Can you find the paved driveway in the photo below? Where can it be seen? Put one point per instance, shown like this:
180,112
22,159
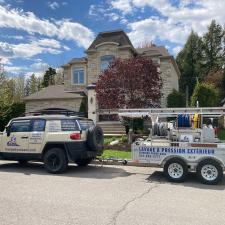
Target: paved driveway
103,196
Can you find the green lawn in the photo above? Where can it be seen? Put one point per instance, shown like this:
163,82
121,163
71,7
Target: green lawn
116,154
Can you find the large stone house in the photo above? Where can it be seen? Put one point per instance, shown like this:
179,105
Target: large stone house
80,74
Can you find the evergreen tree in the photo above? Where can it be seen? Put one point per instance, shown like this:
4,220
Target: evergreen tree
49,77
189,61
213,48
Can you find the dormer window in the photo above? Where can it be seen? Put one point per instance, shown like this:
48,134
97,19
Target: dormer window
105,61
78,76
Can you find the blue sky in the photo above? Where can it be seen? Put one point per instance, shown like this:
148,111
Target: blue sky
36,34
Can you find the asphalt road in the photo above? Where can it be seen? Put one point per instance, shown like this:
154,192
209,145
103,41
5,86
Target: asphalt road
105,195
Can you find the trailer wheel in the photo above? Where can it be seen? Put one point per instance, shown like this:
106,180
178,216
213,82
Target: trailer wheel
176,170
209,171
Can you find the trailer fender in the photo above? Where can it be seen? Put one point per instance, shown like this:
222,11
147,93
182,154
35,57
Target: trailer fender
210,157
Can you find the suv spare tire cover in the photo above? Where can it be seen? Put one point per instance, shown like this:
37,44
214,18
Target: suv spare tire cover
95,138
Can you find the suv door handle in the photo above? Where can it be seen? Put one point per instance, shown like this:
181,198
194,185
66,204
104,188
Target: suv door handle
24,137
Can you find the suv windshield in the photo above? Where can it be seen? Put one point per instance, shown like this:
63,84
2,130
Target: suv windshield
85,124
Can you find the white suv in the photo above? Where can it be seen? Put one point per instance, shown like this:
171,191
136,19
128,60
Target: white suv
55,140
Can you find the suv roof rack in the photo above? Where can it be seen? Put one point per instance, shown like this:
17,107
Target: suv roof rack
56,112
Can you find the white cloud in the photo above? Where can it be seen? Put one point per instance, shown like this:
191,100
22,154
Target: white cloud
49,43
30,49
6,50
15,69
66,47
123,5
175,21
39,66
153,28
75,31
29,22
16,37
38,74
101,12
176,50
53,5
5,61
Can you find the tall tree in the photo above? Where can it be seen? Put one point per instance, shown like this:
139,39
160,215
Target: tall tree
213,48
189,61
33,84
49,77
129,83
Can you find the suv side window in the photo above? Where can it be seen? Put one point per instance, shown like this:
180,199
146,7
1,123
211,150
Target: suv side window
20,126
86,124
69,125
38,125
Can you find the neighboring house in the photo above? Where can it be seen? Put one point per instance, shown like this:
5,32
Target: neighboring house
80,74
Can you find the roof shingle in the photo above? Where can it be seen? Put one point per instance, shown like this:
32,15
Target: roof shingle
52,92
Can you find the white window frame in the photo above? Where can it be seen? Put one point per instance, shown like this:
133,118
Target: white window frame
72,75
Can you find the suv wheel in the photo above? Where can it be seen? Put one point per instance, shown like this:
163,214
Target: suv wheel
83,162
95,138
55,160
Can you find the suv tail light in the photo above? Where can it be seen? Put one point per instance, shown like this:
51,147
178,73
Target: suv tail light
75,136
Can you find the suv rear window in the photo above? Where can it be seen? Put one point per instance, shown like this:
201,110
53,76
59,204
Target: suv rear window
85,124
69,125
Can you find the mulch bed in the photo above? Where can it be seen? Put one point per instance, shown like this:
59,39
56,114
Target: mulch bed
119,147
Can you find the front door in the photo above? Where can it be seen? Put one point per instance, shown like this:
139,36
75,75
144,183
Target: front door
18,139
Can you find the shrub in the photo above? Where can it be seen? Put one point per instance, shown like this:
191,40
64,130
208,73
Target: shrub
175,99
205,94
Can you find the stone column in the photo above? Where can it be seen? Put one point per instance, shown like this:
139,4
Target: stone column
92,103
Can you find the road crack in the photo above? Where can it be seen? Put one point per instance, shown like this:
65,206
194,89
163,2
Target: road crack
124,207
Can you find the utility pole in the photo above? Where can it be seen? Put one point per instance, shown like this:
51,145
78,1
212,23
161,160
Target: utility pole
187,95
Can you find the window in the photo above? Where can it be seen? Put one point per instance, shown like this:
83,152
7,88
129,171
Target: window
105,61
69,125
20,126
38,125
85,124
78,76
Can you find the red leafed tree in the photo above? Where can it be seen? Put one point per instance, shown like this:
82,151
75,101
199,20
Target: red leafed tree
129,83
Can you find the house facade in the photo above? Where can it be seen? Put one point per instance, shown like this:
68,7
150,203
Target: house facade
80,74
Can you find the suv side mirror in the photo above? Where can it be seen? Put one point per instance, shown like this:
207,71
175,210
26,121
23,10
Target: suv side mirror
7,131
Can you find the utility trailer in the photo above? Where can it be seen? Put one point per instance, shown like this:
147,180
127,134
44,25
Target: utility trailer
181,149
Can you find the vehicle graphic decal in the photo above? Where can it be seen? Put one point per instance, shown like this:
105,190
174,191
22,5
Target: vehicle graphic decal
12,142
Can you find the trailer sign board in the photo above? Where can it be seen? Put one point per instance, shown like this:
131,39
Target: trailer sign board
158,153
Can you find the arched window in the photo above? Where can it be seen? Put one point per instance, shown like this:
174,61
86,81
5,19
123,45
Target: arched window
105,60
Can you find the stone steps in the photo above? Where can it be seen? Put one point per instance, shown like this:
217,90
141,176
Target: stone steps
111,128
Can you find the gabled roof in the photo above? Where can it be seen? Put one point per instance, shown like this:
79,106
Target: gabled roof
117,36
52,92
